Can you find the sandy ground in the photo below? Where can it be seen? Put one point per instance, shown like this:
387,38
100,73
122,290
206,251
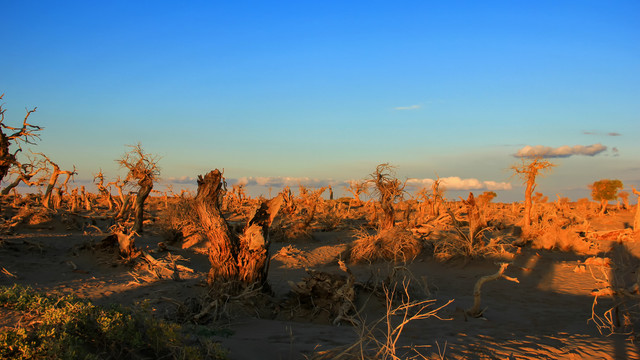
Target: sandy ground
545,315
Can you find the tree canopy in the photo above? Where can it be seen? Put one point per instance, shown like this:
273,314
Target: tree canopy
605,189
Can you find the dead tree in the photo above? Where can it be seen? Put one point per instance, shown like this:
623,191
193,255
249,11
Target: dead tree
64,188
24,173
53,179
85,198
437,194
125,200
27,134
636,219
388,189
75,200
528,172
357,188
103,190
237,259
144,169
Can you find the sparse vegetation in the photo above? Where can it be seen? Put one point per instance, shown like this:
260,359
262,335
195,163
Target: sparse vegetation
66,327
224,239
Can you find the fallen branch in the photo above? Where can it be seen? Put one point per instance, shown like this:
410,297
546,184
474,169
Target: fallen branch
6,272
475,311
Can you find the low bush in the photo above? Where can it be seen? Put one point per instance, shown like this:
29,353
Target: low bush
67,327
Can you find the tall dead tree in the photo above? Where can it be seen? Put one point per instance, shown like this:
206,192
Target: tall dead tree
528,171
144,169
26,134
236,259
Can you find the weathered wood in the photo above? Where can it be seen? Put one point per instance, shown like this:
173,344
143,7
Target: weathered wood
636,219
475,310
242,259
146,185
223,251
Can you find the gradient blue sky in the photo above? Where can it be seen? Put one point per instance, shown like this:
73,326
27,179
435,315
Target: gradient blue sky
328,90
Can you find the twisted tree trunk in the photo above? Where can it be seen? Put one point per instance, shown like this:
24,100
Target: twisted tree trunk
146,185
239,259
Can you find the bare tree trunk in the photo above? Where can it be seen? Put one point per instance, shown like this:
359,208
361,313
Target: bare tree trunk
222,250
124,209
46,199
603,207
388,214
74,200
528,204
636,219
145,188
15,183
240,259
57,201
85,198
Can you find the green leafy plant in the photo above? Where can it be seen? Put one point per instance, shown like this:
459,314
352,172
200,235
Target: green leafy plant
67,327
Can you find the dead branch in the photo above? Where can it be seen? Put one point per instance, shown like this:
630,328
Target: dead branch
475,310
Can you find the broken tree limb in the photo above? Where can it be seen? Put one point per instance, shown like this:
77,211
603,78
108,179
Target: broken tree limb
475,310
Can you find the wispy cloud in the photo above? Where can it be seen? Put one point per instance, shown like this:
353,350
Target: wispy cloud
559,152
601,133
412,107
457,183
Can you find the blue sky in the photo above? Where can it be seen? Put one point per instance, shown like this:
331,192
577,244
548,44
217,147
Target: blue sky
328,90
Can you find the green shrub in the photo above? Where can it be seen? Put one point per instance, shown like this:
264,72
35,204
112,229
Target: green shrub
67,327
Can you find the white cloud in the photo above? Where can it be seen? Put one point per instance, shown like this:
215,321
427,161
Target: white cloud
562,151
281,181
412,107
181,180
457,183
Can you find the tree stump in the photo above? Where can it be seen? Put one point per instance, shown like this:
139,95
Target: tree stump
240,259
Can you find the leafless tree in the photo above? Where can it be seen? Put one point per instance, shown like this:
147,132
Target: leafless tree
144,169
27,134
235,259
357,188
53,179
24,172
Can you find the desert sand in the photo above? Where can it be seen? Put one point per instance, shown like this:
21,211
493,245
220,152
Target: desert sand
547,314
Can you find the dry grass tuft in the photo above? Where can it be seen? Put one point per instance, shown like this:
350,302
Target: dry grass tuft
180,221
395,244
563,239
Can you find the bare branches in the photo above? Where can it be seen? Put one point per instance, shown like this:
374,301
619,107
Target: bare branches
27,134
142,166
388,189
